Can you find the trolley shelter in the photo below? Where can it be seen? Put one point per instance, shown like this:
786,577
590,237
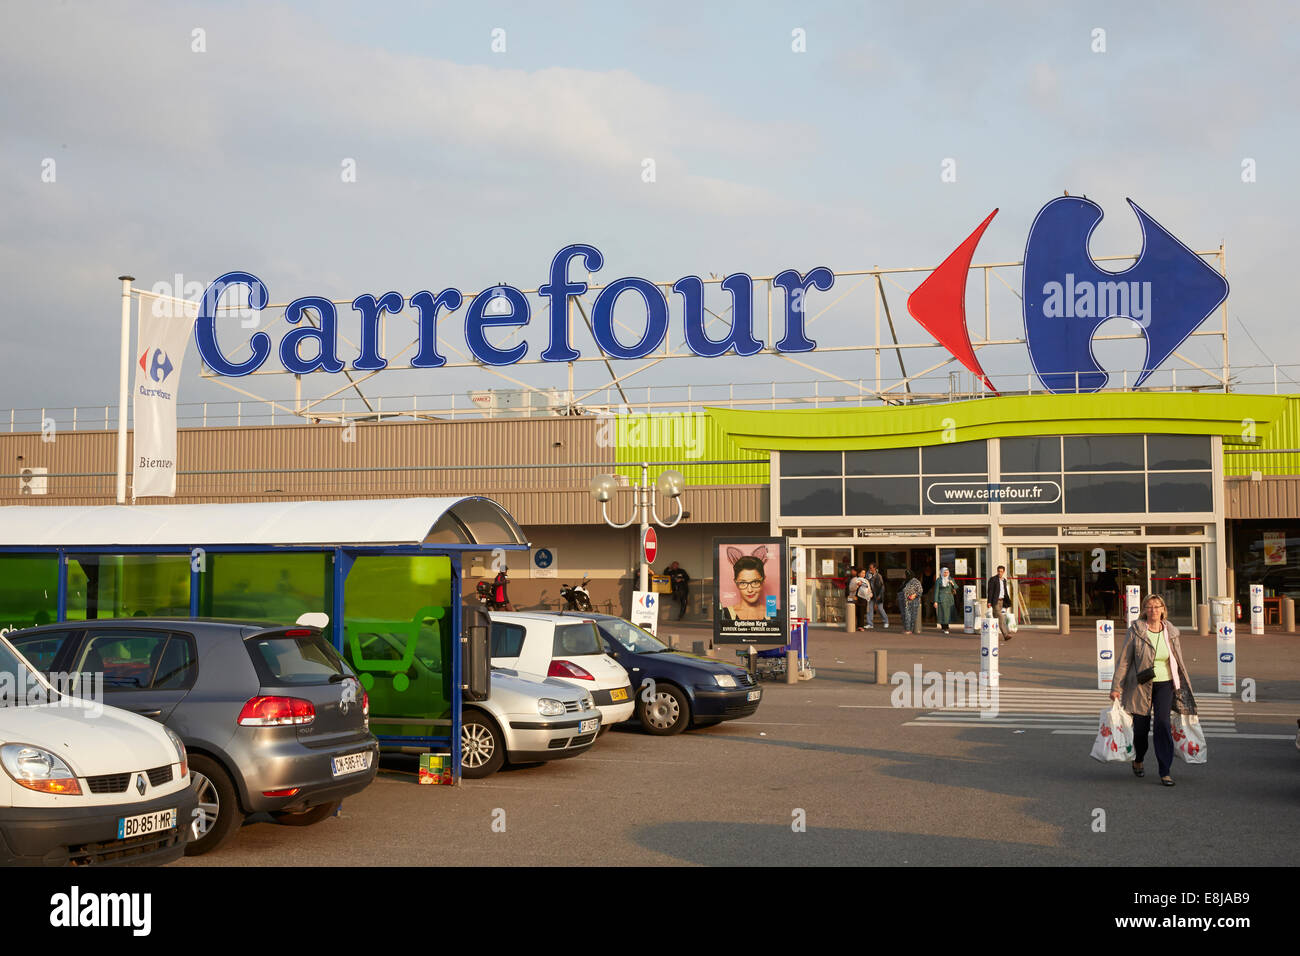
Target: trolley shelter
388,570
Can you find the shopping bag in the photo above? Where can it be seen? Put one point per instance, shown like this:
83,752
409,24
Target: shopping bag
1115,735
1008,622
1189,739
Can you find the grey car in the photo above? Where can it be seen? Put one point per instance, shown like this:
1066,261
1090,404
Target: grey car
273,719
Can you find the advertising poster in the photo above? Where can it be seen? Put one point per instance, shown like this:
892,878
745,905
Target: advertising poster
1274,547
750,583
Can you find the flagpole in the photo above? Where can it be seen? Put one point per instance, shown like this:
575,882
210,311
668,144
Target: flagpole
124,374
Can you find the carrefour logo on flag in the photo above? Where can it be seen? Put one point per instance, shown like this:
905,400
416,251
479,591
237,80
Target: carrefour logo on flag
157,368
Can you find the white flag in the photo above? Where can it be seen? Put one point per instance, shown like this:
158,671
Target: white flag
163,332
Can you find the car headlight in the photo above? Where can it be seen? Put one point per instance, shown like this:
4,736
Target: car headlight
181,757
725,680
39,770
550,707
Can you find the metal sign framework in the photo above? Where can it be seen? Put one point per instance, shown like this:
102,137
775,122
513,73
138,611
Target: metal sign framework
881,384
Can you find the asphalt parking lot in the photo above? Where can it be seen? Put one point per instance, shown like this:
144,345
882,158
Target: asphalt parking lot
869,782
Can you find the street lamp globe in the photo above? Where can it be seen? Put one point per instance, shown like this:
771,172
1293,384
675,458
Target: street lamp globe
603,487
671,483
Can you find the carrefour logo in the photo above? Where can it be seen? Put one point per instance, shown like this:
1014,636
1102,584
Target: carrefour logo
1226,657
158,367
1107,655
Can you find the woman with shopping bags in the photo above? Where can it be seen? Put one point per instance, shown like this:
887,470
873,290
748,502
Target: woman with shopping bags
1151,680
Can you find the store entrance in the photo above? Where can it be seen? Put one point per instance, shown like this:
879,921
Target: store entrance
1034,580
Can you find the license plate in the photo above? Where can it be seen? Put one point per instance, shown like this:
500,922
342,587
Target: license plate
620,694
755,694
589,726
352,763
146,823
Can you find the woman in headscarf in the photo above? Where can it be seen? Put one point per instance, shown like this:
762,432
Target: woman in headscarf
945,597
909,601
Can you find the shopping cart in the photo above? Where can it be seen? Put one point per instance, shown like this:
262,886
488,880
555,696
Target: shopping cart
771,664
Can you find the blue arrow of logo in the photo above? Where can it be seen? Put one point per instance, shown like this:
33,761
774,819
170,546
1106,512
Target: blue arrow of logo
161,363
1169,291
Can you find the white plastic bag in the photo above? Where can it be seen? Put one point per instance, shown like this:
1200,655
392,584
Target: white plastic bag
1189,739
1115,735
1008,622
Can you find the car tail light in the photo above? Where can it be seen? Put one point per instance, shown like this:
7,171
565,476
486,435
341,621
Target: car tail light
365,708
568,669
281,793
276,712
299,632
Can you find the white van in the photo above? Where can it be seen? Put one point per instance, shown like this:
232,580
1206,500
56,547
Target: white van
84,783
567,647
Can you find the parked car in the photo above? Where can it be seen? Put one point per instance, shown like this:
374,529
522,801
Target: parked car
85,783
272,718
689,691
525,720
568,648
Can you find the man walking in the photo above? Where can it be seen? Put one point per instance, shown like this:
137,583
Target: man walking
998,594
859,593
877,583
680,582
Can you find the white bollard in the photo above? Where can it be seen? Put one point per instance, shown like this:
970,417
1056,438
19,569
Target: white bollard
1257,609
1133,594
1105,654
1226,642
989,650
968,604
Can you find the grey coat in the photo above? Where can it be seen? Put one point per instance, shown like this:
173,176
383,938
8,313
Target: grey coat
1137,654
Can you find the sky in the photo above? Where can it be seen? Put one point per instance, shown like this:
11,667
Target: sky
337,149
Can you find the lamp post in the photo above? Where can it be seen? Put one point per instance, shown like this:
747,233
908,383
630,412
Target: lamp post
670,483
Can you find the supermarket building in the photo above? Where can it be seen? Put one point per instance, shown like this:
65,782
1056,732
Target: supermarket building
1189,494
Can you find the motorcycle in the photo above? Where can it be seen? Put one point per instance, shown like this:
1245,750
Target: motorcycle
576,597
484,590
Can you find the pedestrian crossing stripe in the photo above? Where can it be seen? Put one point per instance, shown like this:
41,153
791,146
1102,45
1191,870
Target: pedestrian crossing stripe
1068,710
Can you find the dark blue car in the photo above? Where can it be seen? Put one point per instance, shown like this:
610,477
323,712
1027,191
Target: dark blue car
688,691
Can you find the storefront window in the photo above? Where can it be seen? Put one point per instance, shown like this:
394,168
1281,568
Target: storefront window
812,496
886,461
1105,453
1105,494
398,637
29,590
956,458
1031,455
881,496
1178,452
811,464
277,588
128,585
1052,499
1181,491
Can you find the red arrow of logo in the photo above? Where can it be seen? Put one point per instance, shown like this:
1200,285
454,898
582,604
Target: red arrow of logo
939,303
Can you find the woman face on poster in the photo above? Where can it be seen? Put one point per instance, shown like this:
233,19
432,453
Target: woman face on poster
749,576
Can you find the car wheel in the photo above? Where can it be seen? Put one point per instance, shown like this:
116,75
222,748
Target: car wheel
218,815
667,713
482,750
306,818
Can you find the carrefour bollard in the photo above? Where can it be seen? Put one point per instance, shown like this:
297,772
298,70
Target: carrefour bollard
968,605
1133,601
1288,615
1226,646
989,650
882,666
850,617
1105,654
1257,609
1063,612
792,667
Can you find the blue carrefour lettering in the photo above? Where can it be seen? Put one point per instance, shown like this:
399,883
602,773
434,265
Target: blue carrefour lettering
372,310
558,291
656,326
325,337
500,305
205,326
427,306
796,294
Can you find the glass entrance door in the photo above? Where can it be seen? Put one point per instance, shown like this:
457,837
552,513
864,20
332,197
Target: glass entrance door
1034,578
966,565
1176,576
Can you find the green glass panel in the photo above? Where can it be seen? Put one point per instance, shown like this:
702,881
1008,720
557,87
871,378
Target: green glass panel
398,637
29,590
272,588
128,585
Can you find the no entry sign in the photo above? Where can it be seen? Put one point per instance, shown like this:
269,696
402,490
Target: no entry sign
650,545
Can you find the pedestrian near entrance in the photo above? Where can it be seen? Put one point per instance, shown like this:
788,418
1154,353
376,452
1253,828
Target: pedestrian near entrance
998,594
945,597
1151,680
499,594
680,582
877,583
910,597
860,591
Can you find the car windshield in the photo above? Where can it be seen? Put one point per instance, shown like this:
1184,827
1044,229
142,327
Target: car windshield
19,683
631,638
576,639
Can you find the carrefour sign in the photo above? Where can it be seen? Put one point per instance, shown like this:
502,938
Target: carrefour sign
1168,292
